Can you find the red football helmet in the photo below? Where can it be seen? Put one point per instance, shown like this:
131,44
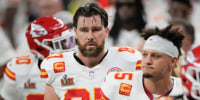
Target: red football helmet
190,75
192,55
47,35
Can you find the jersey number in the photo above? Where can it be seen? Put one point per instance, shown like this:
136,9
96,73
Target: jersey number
82,94
131,50
23,60
122,76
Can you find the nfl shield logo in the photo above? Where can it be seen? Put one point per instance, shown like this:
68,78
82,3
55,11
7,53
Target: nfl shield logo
91,73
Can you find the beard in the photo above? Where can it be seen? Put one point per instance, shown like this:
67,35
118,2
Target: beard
91,52
145,72
147,75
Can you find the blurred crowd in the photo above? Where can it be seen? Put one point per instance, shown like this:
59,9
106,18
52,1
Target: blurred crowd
15,15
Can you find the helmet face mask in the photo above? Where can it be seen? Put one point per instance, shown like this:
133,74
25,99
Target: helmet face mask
60,44
190,75
47,35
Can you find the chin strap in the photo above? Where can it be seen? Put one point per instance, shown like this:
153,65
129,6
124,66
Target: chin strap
40,44
45,46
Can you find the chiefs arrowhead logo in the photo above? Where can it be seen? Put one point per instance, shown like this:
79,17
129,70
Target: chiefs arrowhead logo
37,30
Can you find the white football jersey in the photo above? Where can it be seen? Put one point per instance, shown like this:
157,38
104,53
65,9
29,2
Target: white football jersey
72,80
129,86
22,80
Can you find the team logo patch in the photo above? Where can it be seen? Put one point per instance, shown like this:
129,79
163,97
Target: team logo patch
59,67
67,81
29,84
37,30
125,89
114,69
43,74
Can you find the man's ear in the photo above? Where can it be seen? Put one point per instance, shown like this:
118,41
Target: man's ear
174,61
75,30
107,32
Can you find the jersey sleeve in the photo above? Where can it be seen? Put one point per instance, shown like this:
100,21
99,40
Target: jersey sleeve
131,56
50,66
138,60
46,72
117,85
9,90
10,74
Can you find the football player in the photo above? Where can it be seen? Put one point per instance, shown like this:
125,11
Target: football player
160,54
190,76
45,36
79,75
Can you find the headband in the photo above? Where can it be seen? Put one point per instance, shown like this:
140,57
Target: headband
162,45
